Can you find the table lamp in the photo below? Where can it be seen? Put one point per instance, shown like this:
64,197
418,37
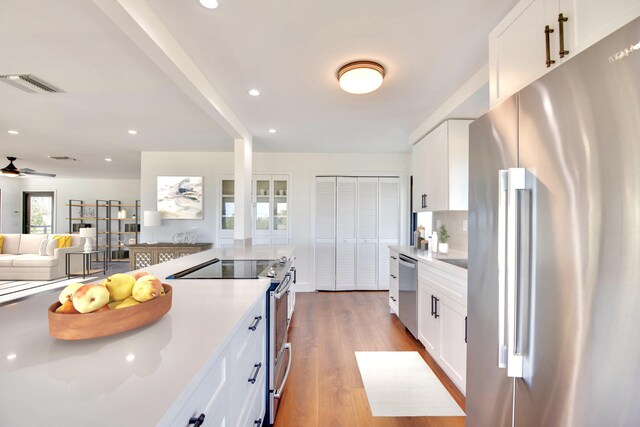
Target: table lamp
151,219
89,234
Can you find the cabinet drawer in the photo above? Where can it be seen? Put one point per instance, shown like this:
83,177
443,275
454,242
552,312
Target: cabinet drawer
211,388
254,414
251,365
443,283
253,327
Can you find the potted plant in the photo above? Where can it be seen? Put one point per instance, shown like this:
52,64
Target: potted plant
443,237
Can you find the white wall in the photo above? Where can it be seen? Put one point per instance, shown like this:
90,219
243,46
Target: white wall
10,198
126,190
302,169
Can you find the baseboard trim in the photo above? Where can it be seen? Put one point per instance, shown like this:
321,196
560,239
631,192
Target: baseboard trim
304,287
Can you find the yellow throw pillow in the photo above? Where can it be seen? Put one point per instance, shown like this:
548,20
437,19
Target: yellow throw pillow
63,241
1,242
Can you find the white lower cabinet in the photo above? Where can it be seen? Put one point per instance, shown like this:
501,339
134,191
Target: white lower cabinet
232,390
442,314
394,289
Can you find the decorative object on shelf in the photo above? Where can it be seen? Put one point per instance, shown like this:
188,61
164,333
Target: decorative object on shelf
89,213
180,197
443,236
187,237
122,213
89,234
152,219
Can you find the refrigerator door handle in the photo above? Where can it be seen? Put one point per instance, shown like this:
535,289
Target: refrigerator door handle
517,182
503,188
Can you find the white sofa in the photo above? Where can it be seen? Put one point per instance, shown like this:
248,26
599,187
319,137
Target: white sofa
20,259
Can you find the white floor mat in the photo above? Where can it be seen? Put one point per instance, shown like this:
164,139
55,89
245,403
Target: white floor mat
401,384
13,290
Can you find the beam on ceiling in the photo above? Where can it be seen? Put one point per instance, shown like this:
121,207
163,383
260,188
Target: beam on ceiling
466,91
138,21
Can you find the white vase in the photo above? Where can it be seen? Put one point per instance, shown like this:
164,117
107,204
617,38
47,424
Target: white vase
443,248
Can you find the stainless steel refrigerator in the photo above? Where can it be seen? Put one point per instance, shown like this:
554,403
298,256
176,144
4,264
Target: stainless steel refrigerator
554,247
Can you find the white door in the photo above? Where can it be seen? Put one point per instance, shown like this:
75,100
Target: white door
367,253
262,194
419,159
346,235
453,348
325,245
428,324
388,225
437,173
517,54
592,20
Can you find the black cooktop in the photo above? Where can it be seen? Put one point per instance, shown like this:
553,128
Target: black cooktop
224,269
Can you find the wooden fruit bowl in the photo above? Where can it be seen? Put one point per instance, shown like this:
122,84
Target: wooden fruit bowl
105,323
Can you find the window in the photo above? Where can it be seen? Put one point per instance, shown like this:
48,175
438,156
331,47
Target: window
37,212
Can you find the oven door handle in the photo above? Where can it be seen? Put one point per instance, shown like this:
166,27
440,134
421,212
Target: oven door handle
284,286
277,393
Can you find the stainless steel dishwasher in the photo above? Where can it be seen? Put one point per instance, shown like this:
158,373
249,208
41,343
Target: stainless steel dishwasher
408,284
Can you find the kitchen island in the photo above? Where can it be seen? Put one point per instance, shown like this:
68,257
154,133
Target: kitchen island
142,377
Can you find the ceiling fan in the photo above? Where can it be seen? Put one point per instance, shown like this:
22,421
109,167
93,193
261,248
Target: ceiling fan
12,171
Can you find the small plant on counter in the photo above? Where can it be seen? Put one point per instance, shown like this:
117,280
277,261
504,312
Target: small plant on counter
443,234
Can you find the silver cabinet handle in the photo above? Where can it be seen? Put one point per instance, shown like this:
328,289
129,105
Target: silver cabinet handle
258,422
254,373
517,178
256,321
503,191
284,286
277,393
395,277
392,257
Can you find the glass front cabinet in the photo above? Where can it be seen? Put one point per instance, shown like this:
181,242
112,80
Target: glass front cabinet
270,209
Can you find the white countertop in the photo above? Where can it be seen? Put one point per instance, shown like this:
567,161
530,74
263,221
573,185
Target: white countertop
434,258
129,379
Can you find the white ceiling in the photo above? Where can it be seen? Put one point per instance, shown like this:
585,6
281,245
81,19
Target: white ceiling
289,50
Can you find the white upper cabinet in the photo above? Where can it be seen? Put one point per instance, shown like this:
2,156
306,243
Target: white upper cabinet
518,52
441,168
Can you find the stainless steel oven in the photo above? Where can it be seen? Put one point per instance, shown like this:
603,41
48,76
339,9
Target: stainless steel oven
278,349
282,276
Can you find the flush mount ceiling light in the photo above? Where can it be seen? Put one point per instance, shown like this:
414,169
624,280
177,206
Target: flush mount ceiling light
361,76
108,159
13,132
133,132
273,131
254,92
209,4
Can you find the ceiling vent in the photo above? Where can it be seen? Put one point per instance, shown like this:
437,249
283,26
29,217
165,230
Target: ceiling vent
62,158
28,83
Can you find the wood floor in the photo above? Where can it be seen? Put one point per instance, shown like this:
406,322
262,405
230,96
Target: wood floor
324,386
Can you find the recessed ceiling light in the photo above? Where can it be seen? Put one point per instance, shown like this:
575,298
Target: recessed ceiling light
133,132
13,132
11,356
209,4
272,131
108,159
254,92
360,77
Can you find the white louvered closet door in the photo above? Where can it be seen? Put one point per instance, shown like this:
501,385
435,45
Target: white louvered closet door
346,236
367,251
325,245
389,225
